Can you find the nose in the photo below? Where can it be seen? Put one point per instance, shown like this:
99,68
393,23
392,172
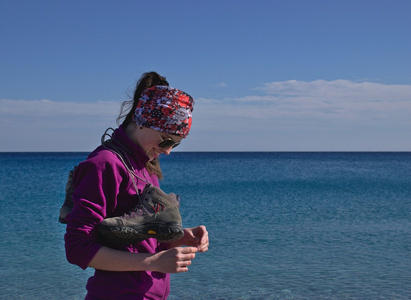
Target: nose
167,151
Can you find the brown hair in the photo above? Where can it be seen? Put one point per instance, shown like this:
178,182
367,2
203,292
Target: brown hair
147,80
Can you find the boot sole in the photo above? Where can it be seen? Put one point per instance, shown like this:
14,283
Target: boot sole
131,235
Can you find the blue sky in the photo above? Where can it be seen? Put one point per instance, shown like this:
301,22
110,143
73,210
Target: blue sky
266,75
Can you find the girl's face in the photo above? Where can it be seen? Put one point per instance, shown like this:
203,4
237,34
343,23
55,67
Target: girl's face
152,142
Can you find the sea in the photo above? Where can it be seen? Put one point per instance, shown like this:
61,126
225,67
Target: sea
282,225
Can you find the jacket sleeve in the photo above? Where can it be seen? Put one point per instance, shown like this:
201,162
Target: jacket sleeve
96,184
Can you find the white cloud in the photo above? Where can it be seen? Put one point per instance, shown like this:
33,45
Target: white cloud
45,125
319,115
221,84
52,110
318,100
338,92
289,115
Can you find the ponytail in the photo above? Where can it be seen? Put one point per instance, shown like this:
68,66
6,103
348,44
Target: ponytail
147,80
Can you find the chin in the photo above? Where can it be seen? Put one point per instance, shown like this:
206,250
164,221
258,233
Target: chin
153,157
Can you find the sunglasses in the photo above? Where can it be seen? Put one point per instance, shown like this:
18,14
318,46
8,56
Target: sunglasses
167,143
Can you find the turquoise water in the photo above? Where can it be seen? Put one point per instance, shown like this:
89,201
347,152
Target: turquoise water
281,225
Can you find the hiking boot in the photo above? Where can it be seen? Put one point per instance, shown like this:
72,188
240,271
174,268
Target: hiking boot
68,201
156,216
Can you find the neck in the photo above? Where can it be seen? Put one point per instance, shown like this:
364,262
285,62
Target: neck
132,132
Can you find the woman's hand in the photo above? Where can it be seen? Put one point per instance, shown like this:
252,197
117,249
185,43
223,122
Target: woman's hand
194,237
174,260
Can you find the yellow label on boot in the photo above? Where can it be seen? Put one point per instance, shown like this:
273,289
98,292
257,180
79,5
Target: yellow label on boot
151,232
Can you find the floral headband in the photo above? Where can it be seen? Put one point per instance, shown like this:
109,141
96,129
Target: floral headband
165,109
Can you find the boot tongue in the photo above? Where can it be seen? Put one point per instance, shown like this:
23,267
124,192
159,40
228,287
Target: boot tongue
149,201
175,199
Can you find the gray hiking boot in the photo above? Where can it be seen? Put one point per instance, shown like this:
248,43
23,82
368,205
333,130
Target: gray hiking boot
156,216
68,201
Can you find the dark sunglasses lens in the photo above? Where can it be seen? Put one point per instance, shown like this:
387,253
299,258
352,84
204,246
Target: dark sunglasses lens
168,143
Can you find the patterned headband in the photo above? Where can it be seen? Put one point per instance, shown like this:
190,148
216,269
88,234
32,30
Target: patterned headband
165,109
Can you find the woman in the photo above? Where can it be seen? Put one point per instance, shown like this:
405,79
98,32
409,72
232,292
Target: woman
159,119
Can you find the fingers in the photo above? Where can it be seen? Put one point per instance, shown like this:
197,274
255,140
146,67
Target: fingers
182,266
204,241
203,248
187,254
196,237
183,258
188,250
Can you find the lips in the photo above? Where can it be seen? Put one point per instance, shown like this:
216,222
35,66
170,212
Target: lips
155,154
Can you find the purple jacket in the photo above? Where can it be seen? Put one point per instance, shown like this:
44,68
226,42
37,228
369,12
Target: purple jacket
103,188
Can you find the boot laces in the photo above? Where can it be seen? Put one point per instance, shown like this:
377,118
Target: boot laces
137,211
140,210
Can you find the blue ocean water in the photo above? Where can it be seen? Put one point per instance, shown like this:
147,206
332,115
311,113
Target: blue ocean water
281,225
